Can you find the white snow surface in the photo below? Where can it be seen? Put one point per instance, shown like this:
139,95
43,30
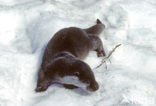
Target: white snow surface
27,25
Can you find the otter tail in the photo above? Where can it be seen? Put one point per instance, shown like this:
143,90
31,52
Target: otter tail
96,29
98,21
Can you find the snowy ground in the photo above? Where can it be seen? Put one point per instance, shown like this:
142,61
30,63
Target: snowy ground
27,25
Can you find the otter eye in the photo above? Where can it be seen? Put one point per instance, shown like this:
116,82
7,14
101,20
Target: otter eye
77,73
88,82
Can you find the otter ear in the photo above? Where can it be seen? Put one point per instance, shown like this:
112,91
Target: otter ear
77,73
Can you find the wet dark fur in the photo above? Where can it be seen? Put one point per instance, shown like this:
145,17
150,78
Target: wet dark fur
64,53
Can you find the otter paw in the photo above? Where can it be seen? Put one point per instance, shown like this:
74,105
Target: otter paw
40,89
101,54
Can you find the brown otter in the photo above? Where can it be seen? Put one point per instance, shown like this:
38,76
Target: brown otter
62,59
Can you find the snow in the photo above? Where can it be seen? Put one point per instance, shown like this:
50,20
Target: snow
27,25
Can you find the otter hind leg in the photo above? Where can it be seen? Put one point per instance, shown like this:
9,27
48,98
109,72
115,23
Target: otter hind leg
97,45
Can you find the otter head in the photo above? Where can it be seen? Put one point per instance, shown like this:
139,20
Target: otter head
85,75
73,71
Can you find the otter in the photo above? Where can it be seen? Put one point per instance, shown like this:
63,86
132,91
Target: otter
63,55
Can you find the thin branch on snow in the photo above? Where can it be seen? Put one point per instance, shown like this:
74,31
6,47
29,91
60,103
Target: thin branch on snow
104,61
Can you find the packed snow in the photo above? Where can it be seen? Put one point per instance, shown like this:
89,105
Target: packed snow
129,80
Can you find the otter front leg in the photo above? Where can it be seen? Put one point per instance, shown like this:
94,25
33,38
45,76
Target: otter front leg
42,83
69,86
97,45
43,86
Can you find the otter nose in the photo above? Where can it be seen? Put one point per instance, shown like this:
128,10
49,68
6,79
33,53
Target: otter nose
93,87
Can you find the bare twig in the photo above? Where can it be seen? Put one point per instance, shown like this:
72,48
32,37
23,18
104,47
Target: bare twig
108,57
